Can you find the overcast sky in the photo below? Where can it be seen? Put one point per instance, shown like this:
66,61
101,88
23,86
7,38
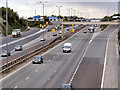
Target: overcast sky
91,9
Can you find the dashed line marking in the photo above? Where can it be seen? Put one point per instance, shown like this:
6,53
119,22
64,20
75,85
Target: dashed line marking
27,78
15,86
36,71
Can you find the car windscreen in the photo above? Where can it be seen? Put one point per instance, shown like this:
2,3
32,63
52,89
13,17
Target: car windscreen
4,51
67,47
37,58
17,45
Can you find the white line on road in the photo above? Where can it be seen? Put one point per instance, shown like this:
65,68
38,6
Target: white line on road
27,78
36,71
15,86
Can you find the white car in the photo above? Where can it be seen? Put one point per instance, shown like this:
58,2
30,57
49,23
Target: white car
60,32
18,48
42,39
67,47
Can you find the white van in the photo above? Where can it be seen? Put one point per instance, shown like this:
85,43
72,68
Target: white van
67,47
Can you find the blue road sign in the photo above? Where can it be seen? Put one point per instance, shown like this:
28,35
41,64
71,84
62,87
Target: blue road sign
37,17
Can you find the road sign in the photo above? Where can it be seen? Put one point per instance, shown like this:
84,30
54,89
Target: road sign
53,30
37,17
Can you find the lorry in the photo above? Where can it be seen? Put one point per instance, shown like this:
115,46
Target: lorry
16,33
67,47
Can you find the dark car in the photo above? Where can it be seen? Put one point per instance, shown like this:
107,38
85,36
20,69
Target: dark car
49,30
38,59
18,48
5,53
55,34
85,31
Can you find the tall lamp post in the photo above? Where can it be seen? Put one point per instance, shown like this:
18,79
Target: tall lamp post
43,15
59,12
7,28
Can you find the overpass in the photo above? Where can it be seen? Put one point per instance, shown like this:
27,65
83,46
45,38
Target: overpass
100,23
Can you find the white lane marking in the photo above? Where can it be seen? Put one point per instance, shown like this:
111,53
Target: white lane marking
43,64
104,67
21,38
36,71
27,78
15,86
42,55
79,64
90,41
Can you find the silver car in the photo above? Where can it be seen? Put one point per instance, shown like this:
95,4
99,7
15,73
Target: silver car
38,59
18,48
5,53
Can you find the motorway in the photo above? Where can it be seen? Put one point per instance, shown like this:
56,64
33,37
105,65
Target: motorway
83,67
53,60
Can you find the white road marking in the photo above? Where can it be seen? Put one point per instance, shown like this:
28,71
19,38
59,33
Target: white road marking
36,71
15,86
27,78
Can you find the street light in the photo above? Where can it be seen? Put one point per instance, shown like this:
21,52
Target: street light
43,15
7,28
59,12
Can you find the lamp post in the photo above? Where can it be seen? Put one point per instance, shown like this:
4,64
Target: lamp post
59,12
43,16
35,12
7,28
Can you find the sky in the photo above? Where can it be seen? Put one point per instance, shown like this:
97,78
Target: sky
85,8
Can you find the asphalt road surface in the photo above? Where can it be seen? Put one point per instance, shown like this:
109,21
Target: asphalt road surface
83,67
36,75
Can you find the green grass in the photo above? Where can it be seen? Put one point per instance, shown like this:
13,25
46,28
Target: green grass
103,27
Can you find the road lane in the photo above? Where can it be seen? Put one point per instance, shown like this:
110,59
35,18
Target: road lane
89,74
111,71
54,56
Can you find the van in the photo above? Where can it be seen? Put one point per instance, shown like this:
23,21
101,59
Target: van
67,47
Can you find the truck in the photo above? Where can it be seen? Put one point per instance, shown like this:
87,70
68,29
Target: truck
16,33
67,47
91,29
